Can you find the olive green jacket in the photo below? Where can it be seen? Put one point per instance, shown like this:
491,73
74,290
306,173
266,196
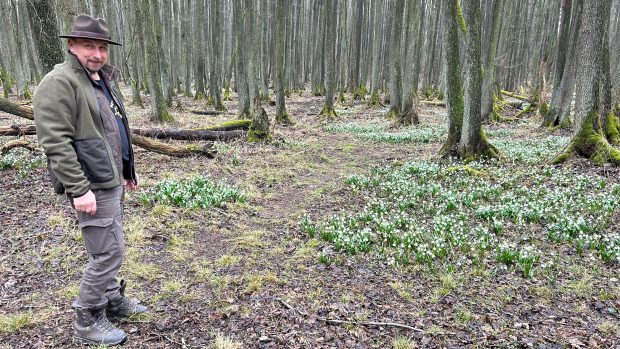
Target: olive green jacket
71,131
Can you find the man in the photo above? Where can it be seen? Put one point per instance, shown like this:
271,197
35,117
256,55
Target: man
81,123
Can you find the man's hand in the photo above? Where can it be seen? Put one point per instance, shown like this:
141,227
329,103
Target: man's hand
131,185
86,203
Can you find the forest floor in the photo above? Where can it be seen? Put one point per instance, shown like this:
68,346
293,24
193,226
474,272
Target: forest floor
336,217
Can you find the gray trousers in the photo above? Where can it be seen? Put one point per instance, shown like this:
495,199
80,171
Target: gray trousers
104,239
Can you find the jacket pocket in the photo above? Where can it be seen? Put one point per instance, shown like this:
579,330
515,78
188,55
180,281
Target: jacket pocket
93,157
99,236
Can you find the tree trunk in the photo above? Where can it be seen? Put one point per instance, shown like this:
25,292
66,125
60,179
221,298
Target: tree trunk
589,138
216,53
159,108
408,114
45,33
452,73
488,112
395,71
282,117
559,109
473,143
330,15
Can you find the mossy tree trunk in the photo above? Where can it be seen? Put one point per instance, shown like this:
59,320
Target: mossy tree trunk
473,143
452,73
589,139
608,118
282,117
331,7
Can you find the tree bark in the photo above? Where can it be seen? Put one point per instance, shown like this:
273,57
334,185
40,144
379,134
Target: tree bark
452,73
282,117
589,138
330,46
488,112
45,33
473,143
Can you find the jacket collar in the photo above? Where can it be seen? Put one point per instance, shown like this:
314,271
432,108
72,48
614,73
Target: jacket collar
107,72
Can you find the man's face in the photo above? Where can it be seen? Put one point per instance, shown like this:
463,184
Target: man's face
93,54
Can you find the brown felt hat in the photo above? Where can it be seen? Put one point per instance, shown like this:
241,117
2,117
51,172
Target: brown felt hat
87,27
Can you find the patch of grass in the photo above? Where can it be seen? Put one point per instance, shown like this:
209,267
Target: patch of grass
161,211
403,343
254,283
147,271
464,316
202,270
172,286
251,239
227,260
402,291
71,291
608,327
11,323
134,231
225,342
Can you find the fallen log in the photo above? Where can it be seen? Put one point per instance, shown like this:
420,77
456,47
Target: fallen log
437,103
207,112
242,124
189,135
17,143
16,109
515,95
17,130
172,150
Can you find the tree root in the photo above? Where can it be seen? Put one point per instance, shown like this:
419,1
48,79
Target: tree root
328,112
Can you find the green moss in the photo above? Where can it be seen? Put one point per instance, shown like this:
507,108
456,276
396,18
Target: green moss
199,96
392,113
227,92
285,119
27,93
461,19
374,101
469,170
258,136
544,108
210,100
341,98
318,91
528,109
328,112
611,132
239,124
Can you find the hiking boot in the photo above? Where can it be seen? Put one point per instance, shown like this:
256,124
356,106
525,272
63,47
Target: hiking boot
123,306
92,327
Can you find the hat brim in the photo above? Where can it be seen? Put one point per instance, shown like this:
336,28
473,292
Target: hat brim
89,37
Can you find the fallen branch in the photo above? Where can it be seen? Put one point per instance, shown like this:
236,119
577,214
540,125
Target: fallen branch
18,143
207,112
437,103
515,95
172,150
241,124
16,109
362,323
189,135
17,130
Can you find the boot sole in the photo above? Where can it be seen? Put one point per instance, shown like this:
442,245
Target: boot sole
86,341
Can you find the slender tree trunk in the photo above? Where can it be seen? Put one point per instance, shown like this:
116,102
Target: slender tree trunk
241,74
409,114
282,117
330,16
559,109
376,53
488,112
159,107
452,73
216,54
